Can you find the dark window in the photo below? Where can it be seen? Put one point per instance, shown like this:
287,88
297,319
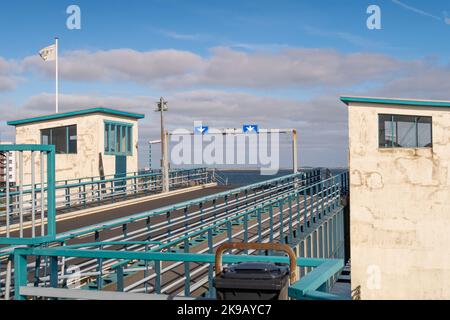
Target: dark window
63,138
400,131
73,139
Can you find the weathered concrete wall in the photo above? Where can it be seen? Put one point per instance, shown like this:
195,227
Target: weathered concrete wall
400,209
90,136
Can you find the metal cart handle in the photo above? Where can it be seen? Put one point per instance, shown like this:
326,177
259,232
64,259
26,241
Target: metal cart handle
258,246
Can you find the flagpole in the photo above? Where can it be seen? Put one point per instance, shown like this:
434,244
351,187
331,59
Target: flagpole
57,75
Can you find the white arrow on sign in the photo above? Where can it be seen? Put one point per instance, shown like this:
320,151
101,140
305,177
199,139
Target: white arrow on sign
202,129
250,128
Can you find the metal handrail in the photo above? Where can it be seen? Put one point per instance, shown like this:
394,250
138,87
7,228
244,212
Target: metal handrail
325,269
336,180
94,192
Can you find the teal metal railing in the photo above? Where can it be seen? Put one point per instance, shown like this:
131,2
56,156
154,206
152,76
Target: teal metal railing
311,286
81,193
45,231
252,210
205,210
277,219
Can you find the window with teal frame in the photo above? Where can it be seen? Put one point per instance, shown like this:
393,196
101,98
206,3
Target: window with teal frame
404,131
118,138
63,138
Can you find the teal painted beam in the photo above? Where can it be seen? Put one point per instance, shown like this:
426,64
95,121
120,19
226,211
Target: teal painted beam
418,103
319,295
314,279
51,197
124,124
109,243
20,274
75,114
163,256
27,147
24,241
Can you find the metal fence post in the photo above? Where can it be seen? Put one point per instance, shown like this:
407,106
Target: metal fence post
20,273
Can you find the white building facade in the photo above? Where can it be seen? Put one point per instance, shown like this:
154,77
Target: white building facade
399,160
8,166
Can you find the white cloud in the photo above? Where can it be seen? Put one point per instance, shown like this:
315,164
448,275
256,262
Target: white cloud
321,122
215,89
294,67
174,69
8,75
185,36
119,65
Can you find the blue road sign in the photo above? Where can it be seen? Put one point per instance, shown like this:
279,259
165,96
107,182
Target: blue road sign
201,129
250,128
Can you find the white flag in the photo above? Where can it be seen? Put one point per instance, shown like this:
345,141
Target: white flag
49,53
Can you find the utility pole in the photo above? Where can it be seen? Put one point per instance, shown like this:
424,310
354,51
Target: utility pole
162,106
294,151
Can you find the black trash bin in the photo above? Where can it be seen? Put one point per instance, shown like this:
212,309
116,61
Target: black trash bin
253,281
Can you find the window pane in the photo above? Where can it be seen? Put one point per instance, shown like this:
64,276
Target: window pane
387,131
106,137
118,139
73,139
129,142
45,136
123,141
406,131
59,139
112,139
424,132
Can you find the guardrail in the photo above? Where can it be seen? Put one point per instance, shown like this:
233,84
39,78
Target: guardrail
21,200
42,211
311,286
309,218
205,210
235,209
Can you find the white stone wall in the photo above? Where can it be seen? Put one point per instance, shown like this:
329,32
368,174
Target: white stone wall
400,208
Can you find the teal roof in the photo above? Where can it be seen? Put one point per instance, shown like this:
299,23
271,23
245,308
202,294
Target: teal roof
75,114
408,102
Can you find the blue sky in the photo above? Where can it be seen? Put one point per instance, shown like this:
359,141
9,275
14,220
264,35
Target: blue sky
146,25
216,35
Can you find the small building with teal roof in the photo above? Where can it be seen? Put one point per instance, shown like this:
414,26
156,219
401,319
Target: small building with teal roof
95,142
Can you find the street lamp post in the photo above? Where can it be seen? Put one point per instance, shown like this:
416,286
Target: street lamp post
162,106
